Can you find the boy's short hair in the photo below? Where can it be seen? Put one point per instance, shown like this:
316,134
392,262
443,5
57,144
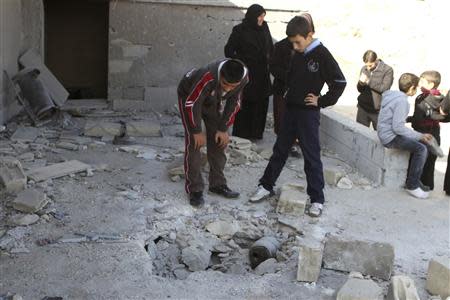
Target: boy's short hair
299,25
432,76
232,70
406,81
308,18
369,56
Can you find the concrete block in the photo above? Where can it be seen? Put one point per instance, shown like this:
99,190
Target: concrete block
30,201
12,177
368,257
332,176
25,134
309,262
402,288
360,147
292,200
57,170
359,289
101,128
143,128
438,278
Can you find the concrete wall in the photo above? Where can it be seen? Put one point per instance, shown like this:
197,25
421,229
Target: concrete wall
152,44
360,147
21,27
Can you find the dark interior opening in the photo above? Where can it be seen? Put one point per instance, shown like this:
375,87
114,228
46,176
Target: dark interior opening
76,45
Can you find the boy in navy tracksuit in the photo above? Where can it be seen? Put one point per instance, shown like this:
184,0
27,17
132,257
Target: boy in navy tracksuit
211,94
312,66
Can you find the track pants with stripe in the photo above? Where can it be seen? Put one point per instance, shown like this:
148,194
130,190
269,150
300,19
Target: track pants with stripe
193,158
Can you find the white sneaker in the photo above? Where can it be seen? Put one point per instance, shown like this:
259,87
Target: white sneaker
418,193
315,210
260,194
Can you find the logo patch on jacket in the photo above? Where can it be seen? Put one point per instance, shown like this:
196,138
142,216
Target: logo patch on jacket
313,66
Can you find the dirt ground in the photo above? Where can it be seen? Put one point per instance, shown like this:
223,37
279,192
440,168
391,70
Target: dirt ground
142,221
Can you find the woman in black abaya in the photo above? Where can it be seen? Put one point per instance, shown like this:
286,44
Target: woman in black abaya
252,43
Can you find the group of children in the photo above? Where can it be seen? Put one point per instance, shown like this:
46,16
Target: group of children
213,94
430,108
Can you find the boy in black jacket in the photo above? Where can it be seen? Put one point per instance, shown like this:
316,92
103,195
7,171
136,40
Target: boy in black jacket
423,122
212,94
312,66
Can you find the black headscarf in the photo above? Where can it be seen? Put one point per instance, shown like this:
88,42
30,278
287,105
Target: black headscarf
252,14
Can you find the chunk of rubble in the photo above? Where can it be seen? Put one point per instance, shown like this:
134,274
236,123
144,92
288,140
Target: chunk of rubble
30,201
292,200
100,128
57,170
309,260
438,277
25,134
345,183
143,129
359,289
332,176
23,220
196,258
223,228
12,177
368,257
402,288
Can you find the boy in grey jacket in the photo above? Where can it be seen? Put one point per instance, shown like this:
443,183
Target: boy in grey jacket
394,134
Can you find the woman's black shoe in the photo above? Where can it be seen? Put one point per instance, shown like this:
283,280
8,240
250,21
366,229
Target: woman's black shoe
196,199
225,191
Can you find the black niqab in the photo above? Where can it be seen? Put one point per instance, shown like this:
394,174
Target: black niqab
252,14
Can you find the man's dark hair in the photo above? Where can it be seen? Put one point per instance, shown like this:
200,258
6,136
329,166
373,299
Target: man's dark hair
432,76
232,71
369,56
406,81
298,25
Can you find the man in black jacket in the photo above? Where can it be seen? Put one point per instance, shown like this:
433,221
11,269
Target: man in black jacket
375,78
311,67
211,94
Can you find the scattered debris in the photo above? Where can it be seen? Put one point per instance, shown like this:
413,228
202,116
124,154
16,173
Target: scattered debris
358,289
345,183
57,170
292,200
12,177
438,277
30,201
402,288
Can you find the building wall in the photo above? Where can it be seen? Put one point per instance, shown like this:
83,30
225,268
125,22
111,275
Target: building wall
153,44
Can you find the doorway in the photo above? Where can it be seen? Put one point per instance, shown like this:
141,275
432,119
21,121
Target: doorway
76,45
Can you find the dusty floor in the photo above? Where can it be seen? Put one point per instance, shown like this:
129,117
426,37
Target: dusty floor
146,221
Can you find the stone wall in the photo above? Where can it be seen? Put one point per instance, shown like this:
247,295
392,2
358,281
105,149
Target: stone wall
360,147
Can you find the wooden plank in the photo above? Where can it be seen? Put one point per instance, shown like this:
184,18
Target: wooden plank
57,170
56,90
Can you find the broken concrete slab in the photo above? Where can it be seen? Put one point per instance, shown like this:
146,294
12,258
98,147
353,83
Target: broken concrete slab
100,128
58,93
23,220
25,134
12,177
57,170
345,183
309,261
67,146
292,200
402,288
267,267
196,258
332,176
358,289
143,129
368,257
223,228
438,277
30,201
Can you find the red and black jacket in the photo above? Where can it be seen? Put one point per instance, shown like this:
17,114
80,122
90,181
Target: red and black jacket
200,87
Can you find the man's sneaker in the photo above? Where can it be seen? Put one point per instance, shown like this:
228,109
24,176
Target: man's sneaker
418,193
260,194
315,210
424,187
225,191
196,199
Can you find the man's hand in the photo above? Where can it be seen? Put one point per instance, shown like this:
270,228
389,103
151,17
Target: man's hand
199,140
312,100
222,138
426,138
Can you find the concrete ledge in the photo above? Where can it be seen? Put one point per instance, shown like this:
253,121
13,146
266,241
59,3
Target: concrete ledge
360,147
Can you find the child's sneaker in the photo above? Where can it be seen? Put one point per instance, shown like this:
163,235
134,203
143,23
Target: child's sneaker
418,193
261,194
315,210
